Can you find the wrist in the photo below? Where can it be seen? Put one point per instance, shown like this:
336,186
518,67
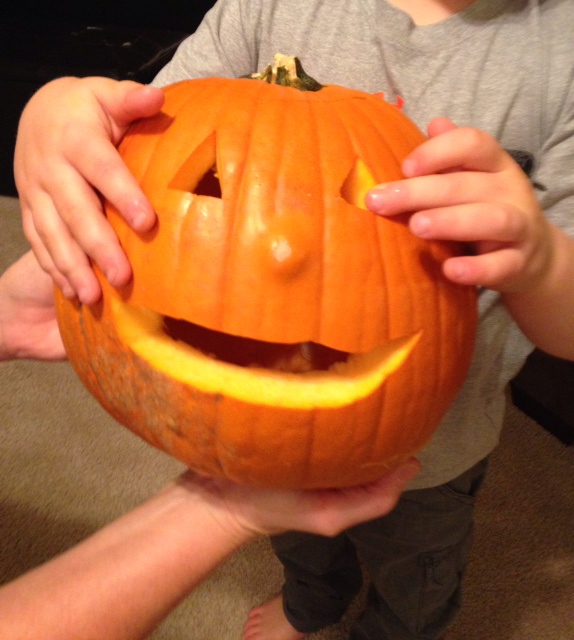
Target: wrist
218,503
547,270
543,310
5,349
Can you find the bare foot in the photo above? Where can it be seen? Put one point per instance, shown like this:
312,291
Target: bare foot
268,622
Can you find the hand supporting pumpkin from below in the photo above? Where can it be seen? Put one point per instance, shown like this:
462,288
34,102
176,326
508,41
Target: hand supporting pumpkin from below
275,333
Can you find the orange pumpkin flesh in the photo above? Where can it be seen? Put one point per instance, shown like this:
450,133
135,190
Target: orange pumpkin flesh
338,343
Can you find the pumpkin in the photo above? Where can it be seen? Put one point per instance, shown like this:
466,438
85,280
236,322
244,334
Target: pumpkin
275,332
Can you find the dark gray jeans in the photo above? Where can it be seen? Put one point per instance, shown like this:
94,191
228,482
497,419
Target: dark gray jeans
416,558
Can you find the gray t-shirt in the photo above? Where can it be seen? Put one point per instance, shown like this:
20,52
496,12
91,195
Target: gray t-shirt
505,66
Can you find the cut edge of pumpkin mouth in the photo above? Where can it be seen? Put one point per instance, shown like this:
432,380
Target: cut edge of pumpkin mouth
342,384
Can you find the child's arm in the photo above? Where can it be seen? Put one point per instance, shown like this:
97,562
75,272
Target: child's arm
461,185
65,159
66,153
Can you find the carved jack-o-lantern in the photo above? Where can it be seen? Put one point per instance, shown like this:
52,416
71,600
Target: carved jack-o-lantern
275,332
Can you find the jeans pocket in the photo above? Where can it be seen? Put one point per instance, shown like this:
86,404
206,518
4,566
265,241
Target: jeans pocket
466,487
440,597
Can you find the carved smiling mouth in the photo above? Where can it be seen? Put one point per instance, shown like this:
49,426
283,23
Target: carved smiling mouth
303,376
247,352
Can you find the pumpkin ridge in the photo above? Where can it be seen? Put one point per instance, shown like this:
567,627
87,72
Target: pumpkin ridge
387,231
347,121
389,234
319,155
231,194
238,197
207,93
321,124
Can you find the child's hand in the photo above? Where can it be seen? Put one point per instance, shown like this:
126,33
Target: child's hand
461,185
65,161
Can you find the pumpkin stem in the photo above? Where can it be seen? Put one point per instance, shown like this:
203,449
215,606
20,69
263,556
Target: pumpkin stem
287,71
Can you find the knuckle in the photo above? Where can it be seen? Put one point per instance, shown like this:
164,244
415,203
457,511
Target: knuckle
512,226
29,229
107,165
477,139
97,248
66,265
71,213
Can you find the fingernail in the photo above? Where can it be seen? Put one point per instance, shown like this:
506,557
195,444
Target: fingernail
457,270
420,225
375,200
68,291
139,220
380,198
111,275
409,168
139,215
84,295
386,198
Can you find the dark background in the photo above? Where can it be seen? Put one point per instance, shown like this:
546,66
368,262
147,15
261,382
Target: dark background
122,39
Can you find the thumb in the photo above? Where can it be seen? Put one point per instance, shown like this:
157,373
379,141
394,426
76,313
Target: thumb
133,100
439,126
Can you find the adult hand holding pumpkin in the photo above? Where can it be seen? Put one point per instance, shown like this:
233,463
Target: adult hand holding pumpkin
127,577
247,512
28,327
62,164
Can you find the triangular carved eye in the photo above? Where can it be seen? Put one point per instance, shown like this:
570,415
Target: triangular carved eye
198,174
209,185
357,184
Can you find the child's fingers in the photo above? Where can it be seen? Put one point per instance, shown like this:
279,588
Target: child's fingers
474,222
64,218
486,270
100,163
60,253
127,100
80,211
461,149
44,259
438,126
101,166
434,192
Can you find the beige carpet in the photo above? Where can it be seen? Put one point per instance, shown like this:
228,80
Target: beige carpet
67,469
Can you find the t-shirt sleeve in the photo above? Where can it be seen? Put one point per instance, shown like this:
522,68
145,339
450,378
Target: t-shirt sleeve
224,45
554,175
554,178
